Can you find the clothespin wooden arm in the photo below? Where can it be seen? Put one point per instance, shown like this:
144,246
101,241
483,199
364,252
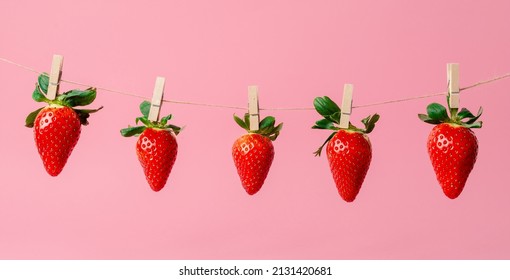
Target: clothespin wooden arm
54,78
346,106
453,85
157,99
253,107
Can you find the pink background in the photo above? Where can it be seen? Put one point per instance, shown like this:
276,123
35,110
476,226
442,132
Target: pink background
101,207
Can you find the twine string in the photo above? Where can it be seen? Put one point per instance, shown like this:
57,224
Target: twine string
399,100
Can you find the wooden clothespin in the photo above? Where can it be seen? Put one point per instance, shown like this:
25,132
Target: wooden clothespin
157,99
55,74
253,107
346,106
453,84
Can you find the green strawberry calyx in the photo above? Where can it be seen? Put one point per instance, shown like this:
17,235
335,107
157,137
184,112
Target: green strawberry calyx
144,119
437,113
70,99
266,126
330,112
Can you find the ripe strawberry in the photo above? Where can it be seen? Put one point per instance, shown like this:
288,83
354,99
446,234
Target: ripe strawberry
57,126
452,146
349,150
156,147
253,153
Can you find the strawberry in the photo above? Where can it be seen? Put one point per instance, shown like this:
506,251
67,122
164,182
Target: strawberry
156,147
349,150
452,146
57,127
253,153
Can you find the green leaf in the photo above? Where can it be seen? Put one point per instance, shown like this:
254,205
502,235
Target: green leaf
335,117
324,124
43,80
437,111
325,106
29,121
426,119
83,117
89,111
240,122
38,96
165,119
423,117
475,125
369,128
464,113
267,122
318,152
431,121
77,97
273,137
480,111
278,128
145,107
370,122
41,88
365,120
144,120
375,118
84,114
247,120
271,131
266,131
131,131
176,129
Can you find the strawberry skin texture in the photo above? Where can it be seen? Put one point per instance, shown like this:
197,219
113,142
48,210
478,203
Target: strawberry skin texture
56,133
453,150
157,151
349,155
253,155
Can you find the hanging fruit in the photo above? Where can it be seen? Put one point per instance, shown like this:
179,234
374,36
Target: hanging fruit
253,152
452,145
57,126
348,150
156,147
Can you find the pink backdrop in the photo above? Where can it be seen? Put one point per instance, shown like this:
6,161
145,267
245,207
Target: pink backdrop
101,207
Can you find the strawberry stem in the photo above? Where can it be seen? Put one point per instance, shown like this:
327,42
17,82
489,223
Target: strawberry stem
437,113
144,119
330,112
266,126
69,99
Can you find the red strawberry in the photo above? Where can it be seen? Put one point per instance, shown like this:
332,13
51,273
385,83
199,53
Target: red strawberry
452,146
57,126
156,147
156,150
349,155
253,153
349,151
56,132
